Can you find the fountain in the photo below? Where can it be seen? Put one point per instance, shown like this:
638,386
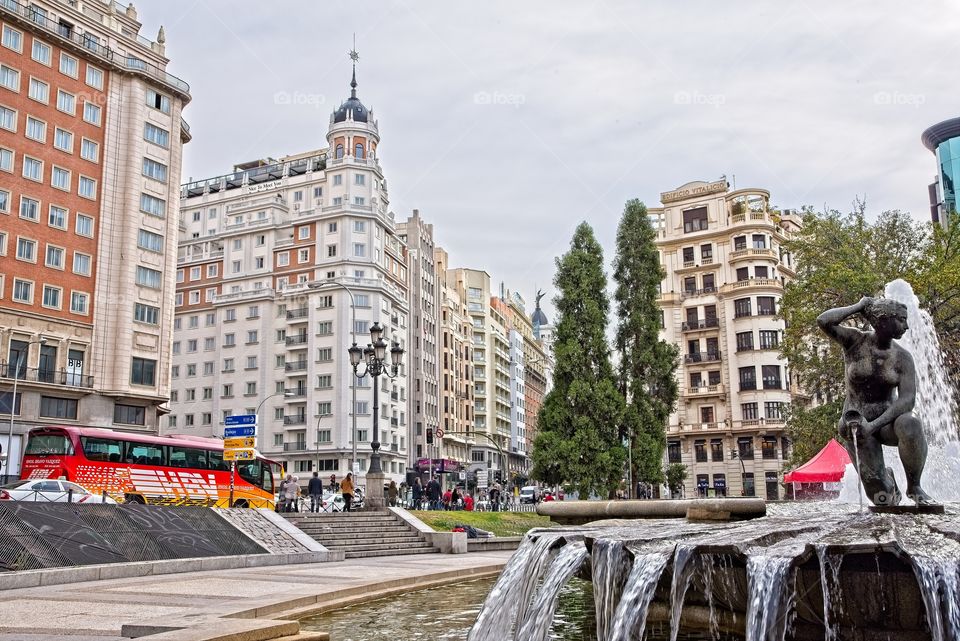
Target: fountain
804,572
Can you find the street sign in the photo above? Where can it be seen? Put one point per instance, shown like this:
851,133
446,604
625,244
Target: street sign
239,443
439,432
242,430
356,470
463,476
482,481
238,455
241,419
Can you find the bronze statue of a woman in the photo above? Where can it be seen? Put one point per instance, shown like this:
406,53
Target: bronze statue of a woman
881,385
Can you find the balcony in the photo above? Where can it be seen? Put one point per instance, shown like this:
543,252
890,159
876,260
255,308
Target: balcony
751,254
691,293
702,357
46,376
295,447
694,326
296,366
704,391
752,283
295,420
300,339
300,392
301,312
746,385
772,383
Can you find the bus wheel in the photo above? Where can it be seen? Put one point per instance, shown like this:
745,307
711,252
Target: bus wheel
134,498
241,503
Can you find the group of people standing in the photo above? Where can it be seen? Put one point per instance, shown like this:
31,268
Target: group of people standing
433,497
288,499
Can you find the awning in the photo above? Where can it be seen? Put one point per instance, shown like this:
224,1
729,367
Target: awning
827,466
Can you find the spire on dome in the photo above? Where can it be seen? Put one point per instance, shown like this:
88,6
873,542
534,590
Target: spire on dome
355,57
352,107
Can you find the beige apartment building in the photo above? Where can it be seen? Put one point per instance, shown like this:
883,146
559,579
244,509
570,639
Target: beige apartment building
726,269
283,264
91,139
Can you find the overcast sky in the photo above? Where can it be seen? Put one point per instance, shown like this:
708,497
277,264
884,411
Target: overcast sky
507,123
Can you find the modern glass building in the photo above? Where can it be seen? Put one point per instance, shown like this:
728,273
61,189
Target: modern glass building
943,139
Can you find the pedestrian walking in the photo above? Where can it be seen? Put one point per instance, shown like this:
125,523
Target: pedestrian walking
346,487
392,493
315,489
434,493
455,500
417,494
292,493
282,494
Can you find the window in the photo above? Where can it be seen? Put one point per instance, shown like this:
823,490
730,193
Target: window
324,408
749,411
148,277
759,241
744,341
143,371
331,251
303,232
359,179
673,451
81,263
766,306
303,256
41,52
716,450
54,257
359,250
9,78
358,200
338,179
79,302
87,188
91,113
359,226
325,354
739,243
36,129
27,250
283,259
332,228
760,271
60,178
251,389
253,311
363,300
84,226
695,219
68,65
771,377
706,253
236,265
39,90
749,484
358,151
156,135
258,262
325,327
743,273
748,378
745,447
63,140
94,77
53,407
129,414
22,291
158,101
773,410
146,314
6,162
89,150
769,339
66,102
8,119
324,381
700,450
32,168
153,169
57,217
12,39
363,407
741,308
51,296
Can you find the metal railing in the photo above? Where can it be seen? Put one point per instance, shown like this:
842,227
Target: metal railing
50,376
707,323
702,357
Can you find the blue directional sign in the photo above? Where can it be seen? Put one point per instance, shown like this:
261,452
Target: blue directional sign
242,419
239,431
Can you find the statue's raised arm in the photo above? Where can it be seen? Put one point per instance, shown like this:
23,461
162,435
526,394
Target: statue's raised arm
830,322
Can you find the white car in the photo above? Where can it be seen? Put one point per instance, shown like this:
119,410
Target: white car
49,490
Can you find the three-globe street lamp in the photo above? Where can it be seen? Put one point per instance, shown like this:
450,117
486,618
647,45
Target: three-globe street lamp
373,356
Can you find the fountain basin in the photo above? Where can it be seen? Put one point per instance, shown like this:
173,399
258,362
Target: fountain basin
583,512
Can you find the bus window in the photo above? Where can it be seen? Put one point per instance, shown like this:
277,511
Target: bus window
101,449
249,471
145,454
53,443
216,462
267,481
188,457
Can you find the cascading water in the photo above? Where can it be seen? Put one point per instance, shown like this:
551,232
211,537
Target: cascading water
830,584
935,407
630,620
610,565
767,583
565,565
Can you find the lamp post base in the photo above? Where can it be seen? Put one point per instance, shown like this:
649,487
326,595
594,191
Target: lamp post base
374,499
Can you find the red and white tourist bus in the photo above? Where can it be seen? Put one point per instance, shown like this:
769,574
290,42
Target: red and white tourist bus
139,468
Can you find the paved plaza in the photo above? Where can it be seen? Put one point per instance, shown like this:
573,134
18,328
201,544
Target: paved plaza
96,611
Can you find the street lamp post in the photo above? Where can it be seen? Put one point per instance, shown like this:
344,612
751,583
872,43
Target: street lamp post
735,454
13,399
374,358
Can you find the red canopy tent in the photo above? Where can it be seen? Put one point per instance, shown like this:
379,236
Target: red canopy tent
827,466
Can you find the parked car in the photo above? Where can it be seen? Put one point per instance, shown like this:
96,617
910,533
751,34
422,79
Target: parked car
331,502
528,494
51,490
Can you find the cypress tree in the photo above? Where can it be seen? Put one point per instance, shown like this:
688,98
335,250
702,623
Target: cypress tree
578,432
647,364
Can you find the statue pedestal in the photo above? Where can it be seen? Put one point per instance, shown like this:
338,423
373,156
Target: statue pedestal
374,499
906,509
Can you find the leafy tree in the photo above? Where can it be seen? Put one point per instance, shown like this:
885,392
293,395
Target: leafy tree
676,474
841,258
577,440
647,364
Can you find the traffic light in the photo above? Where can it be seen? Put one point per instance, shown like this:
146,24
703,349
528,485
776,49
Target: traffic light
429,437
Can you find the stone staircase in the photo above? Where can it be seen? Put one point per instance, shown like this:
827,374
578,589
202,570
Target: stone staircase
362,534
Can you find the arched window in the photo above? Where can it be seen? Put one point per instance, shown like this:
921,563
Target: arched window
339,153
358,152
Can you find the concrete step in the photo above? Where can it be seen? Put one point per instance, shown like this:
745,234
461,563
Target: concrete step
346,529
334,544
364,555
396,549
